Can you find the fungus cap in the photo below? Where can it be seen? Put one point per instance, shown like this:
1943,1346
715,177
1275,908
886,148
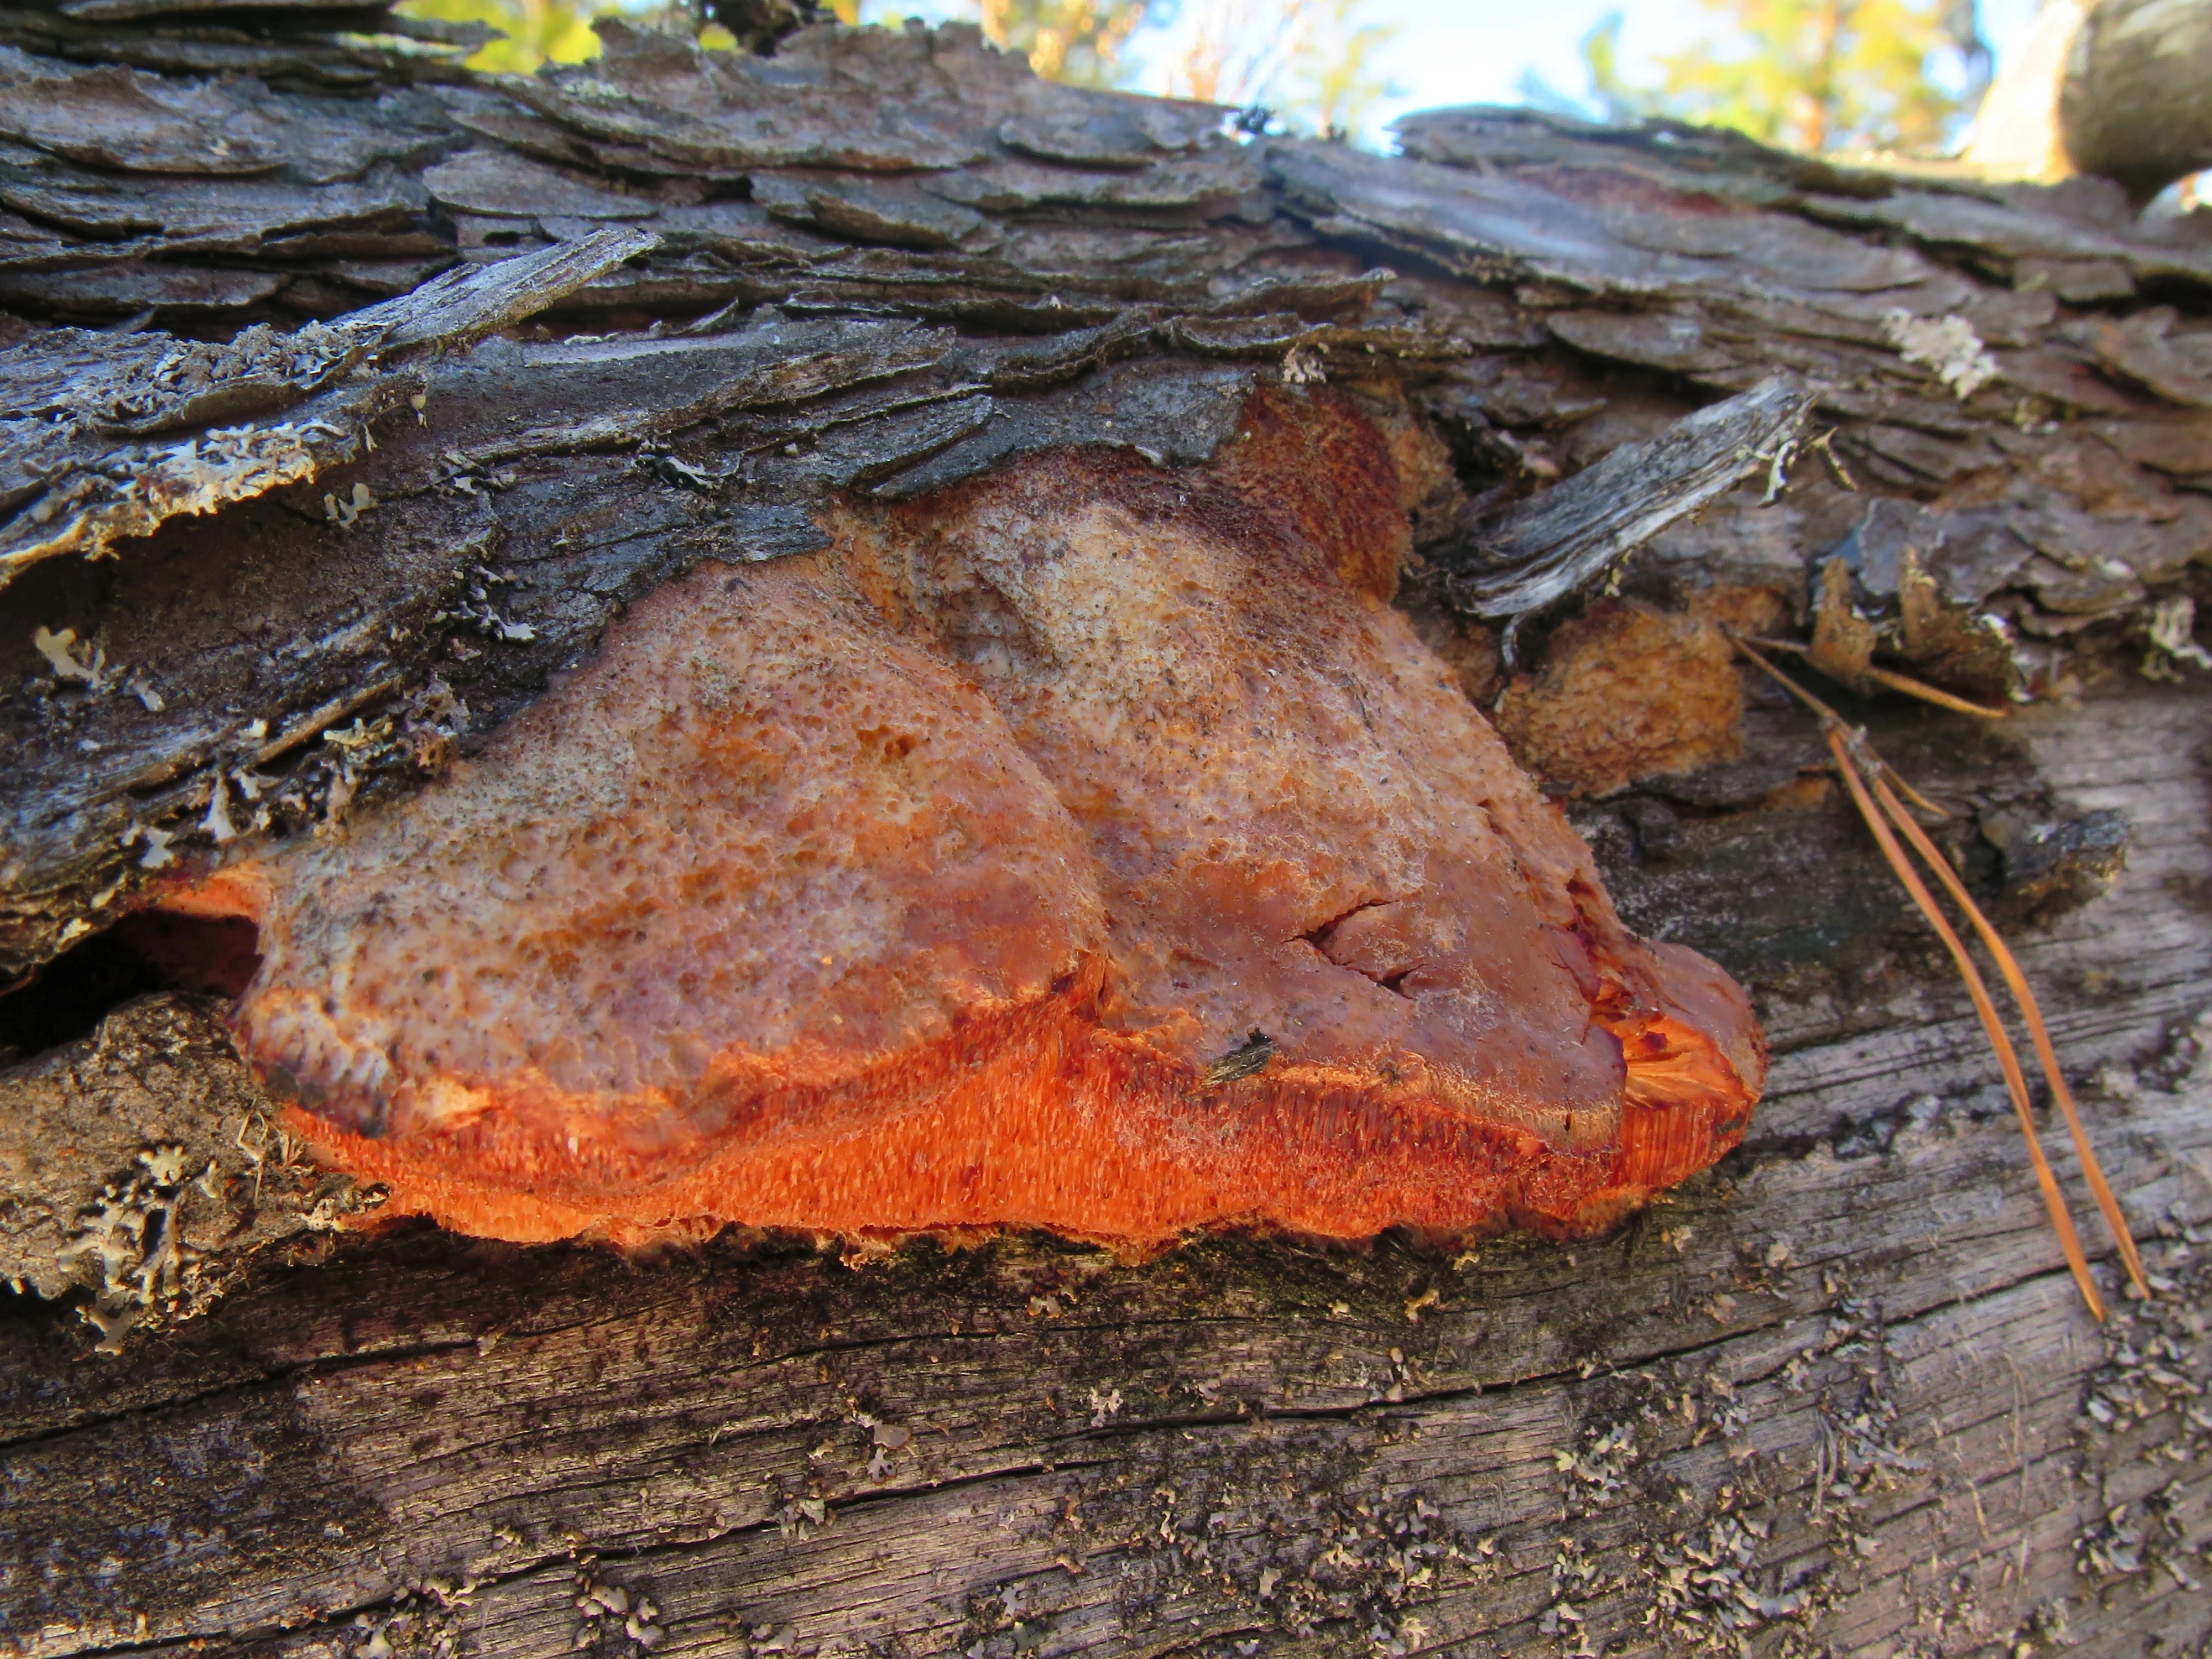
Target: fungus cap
923,883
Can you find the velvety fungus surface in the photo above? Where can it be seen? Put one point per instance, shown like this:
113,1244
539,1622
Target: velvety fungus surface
920,883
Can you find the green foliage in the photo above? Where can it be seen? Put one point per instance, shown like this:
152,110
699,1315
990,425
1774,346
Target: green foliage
1310,62
535,30
1335,84
1814,74
1077,41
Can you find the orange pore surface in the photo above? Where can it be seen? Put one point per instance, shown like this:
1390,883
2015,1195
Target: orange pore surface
916,884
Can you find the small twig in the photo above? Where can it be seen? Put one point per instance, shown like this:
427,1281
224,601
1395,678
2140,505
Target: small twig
2054,1200
328,715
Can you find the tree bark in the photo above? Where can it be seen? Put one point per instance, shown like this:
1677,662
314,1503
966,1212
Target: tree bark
421,379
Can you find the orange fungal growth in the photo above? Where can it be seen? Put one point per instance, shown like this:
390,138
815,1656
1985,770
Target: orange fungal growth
926,883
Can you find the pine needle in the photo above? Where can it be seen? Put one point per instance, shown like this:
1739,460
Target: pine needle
2054,1200
2038,1032
1870,762
1879,806
1935,694
1890,677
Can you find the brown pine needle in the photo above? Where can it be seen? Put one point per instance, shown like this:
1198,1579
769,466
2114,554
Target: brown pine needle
1831,722
2016,981
1852,752
2054,1200
1888,677
1935,694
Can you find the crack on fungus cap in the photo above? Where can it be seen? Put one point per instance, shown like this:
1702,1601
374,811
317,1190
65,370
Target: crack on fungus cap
923,883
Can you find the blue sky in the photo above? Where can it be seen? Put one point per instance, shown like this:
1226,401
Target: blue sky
1471,51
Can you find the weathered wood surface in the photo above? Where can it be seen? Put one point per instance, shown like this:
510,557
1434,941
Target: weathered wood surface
1838,1395
1844,1385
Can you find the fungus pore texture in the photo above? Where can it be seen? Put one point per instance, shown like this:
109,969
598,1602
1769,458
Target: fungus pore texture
919,884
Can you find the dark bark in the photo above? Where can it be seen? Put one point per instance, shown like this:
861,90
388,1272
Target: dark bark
421,379
1001,262
1545,549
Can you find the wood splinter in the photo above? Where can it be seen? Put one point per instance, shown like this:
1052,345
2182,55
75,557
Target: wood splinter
1869,779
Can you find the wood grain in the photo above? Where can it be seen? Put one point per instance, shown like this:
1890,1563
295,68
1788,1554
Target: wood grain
1857,1379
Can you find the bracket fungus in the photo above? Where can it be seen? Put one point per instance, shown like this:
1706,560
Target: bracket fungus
927,882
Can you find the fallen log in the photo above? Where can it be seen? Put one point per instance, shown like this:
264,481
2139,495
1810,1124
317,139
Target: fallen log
2113,89
2134,105
484,364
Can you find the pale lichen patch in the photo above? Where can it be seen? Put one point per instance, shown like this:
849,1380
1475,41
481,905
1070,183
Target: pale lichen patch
146,1171
58,647
1948,346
